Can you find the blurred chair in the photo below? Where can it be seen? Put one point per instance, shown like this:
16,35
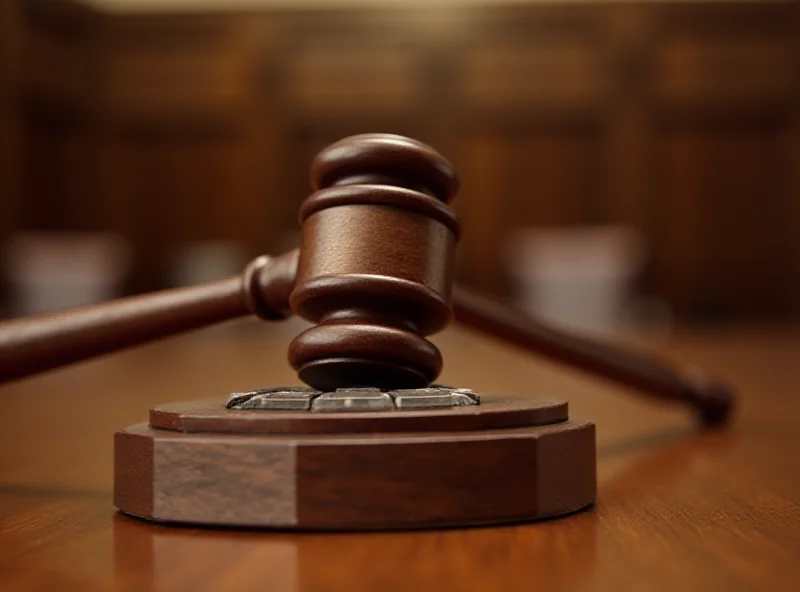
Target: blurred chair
206,261
52,271
579,278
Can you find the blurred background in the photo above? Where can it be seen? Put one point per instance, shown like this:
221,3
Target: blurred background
620,162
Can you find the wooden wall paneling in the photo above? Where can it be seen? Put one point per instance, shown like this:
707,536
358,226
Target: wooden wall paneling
794,252
175,128
733,69
794,167
723,86
440,34
533,178
55,61
534,94
193,70
338,73
193,130
518,64
628,141
272,209
171,191
164,189
352,66
120,176
56,86
137,185
724,211
249,194
481,164
10,38
56,192
259,156
163,193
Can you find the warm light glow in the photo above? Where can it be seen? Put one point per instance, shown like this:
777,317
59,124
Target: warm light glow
191,5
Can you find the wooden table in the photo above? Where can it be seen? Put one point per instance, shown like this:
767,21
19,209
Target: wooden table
678,509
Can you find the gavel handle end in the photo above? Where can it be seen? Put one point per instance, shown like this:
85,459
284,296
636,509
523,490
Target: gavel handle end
714,402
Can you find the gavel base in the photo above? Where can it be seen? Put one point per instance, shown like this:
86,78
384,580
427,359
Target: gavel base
506,460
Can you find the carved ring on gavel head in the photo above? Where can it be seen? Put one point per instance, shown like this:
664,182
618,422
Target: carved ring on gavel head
376,264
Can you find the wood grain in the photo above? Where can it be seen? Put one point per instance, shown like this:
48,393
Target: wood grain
374,481
678,509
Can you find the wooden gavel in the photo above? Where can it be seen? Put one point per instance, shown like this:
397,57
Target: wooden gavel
374,272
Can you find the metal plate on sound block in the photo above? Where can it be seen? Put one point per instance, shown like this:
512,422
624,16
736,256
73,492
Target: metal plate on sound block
493,413
350,480
347,400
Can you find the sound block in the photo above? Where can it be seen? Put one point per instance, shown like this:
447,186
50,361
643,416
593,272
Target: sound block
505,460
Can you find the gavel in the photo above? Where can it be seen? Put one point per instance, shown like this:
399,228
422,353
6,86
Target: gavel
374,272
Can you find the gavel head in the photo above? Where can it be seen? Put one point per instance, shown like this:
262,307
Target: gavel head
376,264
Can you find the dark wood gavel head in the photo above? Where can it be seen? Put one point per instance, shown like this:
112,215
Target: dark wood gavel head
376,264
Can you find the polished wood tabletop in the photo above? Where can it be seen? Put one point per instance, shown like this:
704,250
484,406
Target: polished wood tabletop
678,508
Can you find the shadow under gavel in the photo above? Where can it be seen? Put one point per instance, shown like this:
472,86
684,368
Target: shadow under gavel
374,272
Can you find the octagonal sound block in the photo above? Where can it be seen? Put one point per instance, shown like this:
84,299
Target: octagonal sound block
505,460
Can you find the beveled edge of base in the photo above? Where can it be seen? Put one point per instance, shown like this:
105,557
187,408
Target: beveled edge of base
310,482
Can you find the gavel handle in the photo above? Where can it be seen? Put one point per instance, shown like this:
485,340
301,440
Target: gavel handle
36,344
712,400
